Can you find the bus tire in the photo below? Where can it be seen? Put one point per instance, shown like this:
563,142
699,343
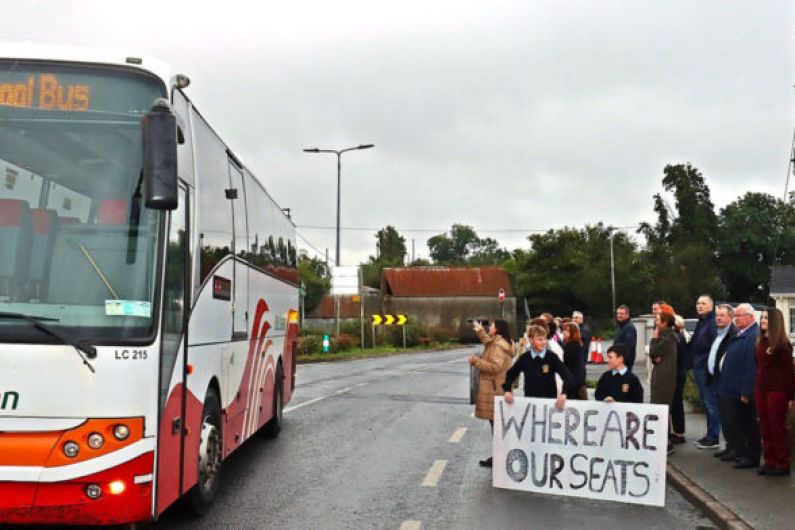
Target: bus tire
210,456
274,426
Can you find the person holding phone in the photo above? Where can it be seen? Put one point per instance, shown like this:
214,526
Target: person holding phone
493,363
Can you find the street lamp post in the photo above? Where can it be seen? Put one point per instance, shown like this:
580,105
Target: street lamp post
612,268
338,152
339,183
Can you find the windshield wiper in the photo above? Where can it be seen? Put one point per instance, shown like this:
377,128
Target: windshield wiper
79,346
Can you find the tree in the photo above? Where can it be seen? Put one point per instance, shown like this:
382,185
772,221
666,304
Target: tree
569,269
681,251
391,246
314,274
463,247
756,232
391,253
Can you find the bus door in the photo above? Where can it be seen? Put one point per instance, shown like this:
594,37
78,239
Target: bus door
176,291
235,354
240,279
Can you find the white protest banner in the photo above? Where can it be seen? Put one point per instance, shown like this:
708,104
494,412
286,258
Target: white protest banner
608,451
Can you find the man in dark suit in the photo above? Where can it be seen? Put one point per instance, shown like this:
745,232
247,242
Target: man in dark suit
725,330
702,343
736,381
626,335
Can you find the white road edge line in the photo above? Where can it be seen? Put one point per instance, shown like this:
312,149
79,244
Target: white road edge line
434,474
457,435
305,403
411,525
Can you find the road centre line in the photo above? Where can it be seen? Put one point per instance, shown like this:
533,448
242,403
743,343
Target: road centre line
434,474
457,435
305,403
411,525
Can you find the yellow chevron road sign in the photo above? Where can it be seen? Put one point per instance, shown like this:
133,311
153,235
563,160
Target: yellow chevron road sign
388,320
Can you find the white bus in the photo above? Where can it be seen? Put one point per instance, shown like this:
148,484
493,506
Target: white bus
148,292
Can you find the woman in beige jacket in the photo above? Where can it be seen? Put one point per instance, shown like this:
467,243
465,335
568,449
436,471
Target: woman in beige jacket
493,363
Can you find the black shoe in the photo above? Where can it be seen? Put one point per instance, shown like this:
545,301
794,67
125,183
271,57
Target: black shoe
676,438
486,462
707,443
763,470
671,449
745,463
728,456
773,472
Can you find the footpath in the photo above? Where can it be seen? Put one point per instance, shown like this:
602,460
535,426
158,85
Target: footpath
732,498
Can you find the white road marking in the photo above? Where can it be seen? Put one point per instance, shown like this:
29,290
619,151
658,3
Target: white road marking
411,525
305,403
434,474
346,389
457,435
363,384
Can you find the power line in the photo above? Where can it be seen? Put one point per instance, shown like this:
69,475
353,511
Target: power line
313,247
481,230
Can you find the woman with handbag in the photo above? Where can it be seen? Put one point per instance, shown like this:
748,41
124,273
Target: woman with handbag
493,363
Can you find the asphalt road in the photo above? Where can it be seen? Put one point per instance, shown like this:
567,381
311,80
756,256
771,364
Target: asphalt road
361,438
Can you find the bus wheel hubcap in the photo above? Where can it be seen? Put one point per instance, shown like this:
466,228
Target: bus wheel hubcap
209,454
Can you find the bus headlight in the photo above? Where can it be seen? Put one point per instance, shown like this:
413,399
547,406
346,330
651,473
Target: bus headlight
121,432
95,440
71,449
93,491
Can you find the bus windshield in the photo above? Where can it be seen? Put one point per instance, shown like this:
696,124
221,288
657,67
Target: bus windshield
75,248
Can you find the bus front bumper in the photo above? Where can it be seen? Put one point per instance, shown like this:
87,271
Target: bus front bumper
124,496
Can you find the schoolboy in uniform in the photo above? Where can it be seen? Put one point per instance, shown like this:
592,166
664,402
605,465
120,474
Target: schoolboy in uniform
618,383
539,367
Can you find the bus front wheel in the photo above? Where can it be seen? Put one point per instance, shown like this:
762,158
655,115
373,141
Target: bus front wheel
210,456
274,426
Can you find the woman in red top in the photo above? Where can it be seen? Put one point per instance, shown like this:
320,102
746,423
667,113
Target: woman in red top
775,390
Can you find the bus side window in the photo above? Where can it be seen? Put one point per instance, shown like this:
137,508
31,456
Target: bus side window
214,209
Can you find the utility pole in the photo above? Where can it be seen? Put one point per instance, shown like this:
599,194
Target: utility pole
412,250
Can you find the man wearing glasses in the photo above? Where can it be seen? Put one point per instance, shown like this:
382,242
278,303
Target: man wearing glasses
737,369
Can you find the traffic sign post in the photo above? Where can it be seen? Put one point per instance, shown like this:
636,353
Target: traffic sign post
388,320
501,297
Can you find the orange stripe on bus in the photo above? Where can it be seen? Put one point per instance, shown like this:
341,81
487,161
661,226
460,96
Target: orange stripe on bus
46,448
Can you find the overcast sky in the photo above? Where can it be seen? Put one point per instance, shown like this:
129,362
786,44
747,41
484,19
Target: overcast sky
497,114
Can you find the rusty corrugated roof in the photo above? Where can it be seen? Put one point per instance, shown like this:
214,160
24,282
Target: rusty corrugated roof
445,281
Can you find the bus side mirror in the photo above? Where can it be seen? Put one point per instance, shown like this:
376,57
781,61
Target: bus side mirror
159,128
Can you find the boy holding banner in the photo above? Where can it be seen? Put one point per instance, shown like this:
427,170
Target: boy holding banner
618,383
539,367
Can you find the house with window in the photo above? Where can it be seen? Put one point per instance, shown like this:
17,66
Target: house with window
782,290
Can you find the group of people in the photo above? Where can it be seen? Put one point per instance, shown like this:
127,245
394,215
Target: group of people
743,371
551,356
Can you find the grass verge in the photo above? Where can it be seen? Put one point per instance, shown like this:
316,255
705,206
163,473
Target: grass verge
379,351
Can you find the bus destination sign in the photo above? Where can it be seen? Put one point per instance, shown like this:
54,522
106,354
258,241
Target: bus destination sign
45,91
